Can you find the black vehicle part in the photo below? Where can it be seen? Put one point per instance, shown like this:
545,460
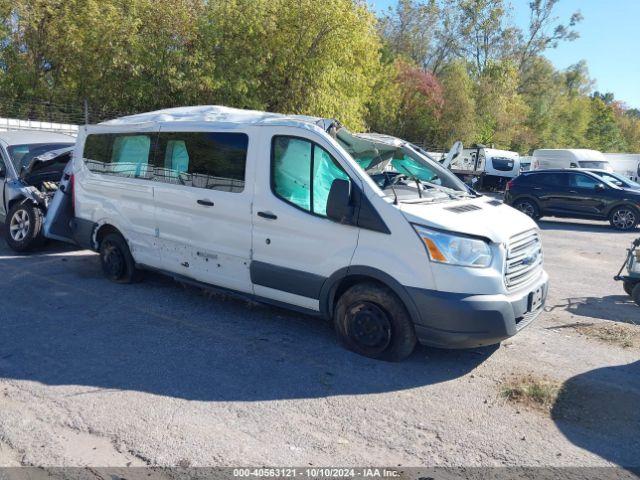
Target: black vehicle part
116,260
528,207
635,294
372,321
628,286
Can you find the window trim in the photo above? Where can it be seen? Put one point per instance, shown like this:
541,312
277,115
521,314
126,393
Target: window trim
311,163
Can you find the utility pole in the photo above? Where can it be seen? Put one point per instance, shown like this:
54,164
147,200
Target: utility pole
86,112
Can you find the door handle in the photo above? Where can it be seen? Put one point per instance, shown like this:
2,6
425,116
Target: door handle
267,215
206,203
572,191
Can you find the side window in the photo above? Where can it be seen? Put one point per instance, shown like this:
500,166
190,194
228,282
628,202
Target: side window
550,179
213,160
291,170
583,181
302,173
3,168
325,171
123,155
130,155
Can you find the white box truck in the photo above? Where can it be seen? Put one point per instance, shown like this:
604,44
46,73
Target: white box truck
547,158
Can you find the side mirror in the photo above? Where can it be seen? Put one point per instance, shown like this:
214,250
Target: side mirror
600,187
339,202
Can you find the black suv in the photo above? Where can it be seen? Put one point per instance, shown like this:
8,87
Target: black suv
574,193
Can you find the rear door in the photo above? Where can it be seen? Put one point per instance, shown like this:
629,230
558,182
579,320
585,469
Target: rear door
550,190
203,204
295,246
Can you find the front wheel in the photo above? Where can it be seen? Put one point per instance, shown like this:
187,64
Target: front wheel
628,286
116,260
23,229
372,321
624,218
528,207
635,294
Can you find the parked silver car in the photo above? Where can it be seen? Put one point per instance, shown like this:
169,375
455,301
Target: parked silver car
31,165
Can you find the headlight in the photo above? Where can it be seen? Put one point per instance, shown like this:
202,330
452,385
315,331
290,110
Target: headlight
454,249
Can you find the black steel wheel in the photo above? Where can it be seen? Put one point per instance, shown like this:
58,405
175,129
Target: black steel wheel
635,294
628,286
371,320
117,263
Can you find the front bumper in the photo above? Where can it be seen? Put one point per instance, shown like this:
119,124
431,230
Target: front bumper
459,320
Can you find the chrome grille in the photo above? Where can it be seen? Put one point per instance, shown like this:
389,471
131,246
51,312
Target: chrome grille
524,259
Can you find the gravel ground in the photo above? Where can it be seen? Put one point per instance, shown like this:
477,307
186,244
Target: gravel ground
93,373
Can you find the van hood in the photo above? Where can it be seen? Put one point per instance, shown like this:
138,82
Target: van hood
480,217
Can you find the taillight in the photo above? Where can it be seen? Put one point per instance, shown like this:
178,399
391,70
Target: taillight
509,184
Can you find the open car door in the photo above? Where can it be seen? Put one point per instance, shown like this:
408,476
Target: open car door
60,214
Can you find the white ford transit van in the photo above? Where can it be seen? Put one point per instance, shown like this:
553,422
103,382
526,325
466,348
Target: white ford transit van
298,211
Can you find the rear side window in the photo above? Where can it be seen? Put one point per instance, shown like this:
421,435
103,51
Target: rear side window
212,160
549,179
302,173
123,155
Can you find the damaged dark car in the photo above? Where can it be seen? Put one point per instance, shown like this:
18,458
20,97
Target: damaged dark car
31,166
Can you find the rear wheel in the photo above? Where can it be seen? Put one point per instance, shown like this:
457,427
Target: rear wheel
117,263
23,229
624,218
635,294
528,207
628,286
372,321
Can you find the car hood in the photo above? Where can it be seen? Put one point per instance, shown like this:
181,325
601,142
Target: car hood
480,217
62,155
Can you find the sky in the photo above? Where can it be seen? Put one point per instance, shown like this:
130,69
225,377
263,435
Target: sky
609,42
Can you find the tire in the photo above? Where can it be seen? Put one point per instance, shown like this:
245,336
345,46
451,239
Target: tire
635,294
372,321
116,260
528,207
628,286
23,227
624,218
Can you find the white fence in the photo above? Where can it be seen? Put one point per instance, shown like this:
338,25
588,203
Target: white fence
15,124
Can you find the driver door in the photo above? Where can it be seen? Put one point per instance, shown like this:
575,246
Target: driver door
295,246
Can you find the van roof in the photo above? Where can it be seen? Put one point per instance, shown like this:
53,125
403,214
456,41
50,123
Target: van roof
219,114
576,153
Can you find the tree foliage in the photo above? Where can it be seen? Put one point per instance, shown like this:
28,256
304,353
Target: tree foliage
431,71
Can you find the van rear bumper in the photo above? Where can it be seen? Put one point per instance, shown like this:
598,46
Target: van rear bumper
459,320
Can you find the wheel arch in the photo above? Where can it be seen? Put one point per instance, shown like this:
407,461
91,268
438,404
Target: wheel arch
622,203
101,231
346,277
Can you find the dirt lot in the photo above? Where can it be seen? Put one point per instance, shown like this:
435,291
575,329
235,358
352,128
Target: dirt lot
93,373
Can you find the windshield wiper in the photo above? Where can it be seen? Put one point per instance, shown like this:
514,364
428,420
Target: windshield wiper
415,179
